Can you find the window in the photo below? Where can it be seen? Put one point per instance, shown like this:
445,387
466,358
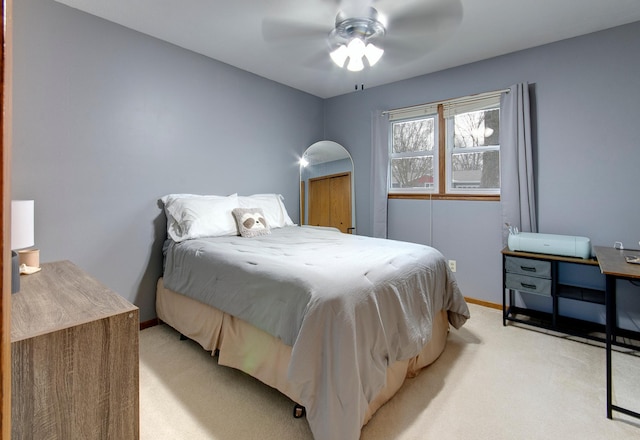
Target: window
413,154
448,149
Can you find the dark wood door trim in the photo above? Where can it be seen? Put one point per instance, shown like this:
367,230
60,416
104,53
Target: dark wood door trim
5,214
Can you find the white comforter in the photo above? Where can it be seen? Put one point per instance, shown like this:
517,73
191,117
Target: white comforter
348,305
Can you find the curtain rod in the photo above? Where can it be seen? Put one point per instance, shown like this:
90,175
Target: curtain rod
461,98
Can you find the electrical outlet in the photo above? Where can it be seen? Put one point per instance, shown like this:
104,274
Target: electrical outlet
452,265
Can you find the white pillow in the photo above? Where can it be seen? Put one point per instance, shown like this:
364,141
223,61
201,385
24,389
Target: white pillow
272,206
194,216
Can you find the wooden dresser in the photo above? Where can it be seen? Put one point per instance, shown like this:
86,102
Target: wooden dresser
74,358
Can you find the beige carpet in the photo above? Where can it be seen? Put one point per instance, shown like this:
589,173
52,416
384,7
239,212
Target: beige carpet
491,382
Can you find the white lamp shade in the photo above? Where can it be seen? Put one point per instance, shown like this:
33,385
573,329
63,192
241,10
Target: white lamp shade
339,56
373,53
354,52
22,224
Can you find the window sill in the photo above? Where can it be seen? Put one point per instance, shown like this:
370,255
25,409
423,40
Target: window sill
468,197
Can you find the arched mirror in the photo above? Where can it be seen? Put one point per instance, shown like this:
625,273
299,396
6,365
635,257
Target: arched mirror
326,187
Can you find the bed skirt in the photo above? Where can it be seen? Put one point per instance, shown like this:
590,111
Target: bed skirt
261,355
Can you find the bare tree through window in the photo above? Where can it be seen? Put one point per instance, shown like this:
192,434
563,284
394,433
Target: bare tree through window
479,169
411,166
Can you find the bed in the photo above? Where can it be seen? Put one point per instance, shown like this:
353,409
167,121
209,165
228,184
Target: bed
334,321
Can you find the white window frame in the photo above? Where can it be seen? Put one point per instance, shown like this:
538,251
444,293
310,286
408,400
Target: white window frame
444,113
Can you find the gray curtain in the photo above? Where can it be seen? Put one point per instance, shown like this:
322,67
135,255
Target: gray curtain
517,192
379,170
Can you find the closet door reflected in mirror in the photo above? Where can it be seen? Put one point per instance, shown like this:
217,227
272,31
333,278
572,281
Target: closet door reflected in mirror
326,187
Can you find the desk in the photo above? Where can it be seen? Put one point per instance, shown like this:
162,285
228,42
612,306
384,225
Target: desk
540,274
614,267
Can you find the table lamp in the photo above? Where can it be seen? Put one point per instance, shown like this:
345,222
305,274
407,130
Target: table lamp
21,236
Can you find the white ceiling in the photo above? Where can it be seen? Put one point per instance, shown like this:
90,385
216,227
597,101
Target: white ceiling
231,31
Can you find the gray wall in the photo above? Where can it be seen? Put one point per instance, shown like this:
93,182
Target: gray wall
107,120
585,101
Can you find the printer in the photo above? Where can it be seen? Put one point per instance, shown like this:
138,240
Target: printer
564,245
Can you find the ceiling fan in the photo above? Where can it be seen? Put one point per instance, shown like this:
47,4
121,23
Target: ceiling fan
366,31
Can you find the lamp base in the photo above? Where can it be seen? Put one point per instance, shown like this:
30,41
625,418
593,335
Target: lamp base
15,272
29,257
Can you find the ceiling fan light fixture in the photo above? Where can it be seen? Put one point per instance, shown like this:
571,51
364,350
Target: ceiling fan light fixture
355,51
351,40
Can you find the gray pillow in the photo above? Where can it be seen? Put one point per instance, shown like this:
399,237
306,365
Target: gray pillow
251,222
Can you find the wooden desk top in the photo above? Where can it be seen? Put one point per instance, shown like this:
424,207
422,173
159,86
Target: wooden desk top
590,261
61,296
612,262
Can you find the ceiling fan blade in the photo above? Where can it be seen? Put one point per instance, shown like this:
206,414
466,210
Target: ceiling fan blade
429,17
416,28
319,60
277,30
399,51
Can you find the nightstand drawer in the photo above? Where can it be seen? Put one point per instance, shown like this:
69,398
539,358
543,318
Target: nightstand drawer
528,266
525,283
